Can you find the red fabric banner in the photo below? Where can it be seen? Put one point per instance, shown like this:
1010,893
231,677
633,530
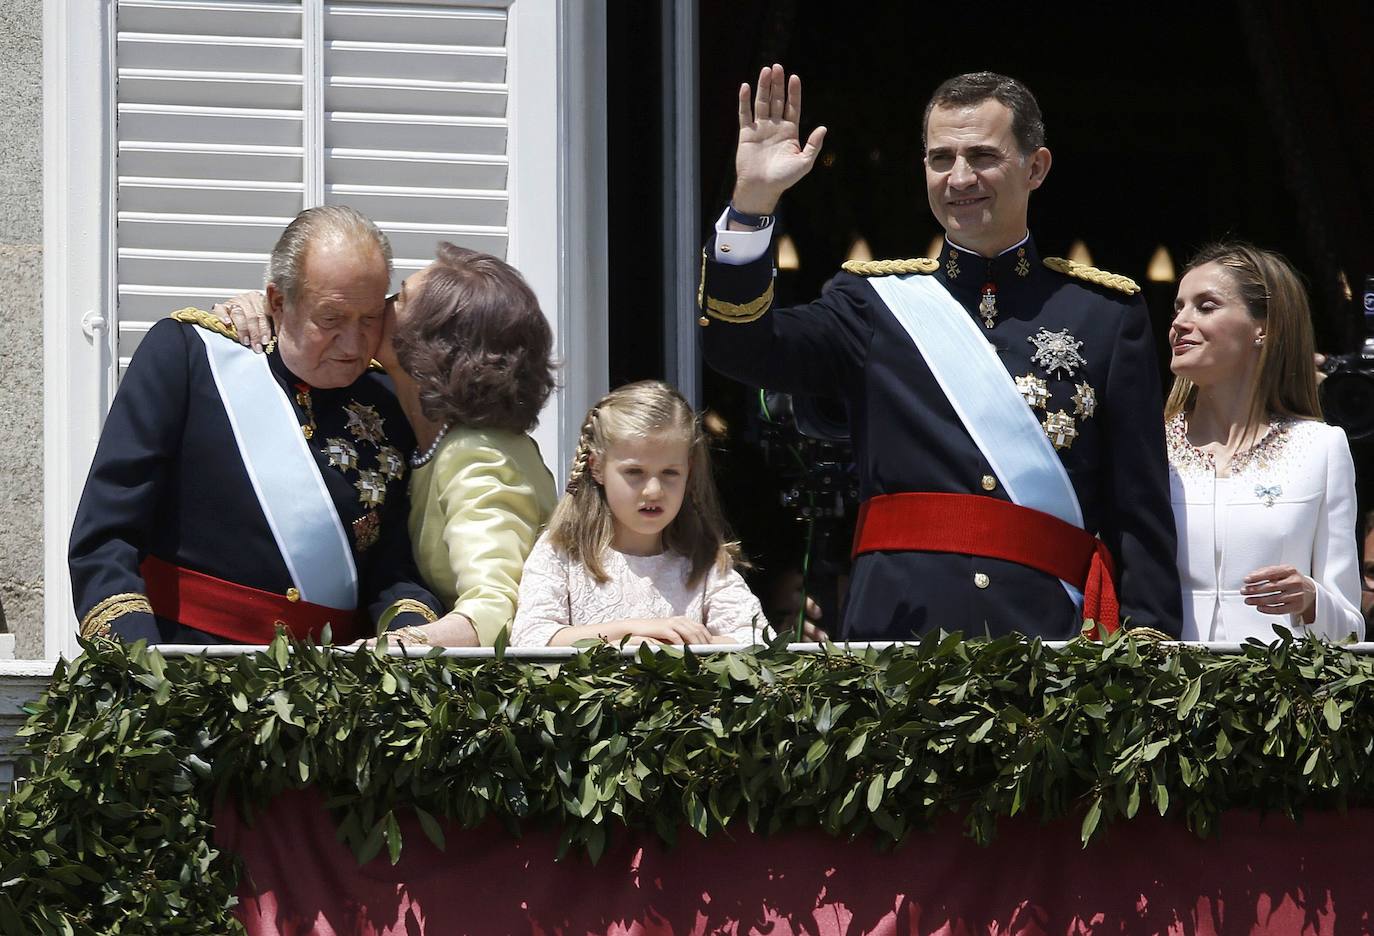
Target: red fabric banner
1149,876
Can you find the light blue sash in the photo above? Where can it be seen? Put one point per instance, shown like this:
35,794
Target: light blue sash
984,396
284,475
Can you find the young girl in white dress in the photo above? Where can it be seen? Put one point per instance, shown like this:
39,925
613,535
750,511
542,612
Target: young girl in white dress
638,547
1263,491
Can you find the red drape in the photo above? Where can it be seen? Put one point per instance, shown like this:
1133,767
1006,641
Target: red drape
1260,876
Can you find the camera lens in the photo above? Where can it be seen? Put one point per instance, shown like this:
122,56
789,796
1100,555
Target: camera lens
1348,402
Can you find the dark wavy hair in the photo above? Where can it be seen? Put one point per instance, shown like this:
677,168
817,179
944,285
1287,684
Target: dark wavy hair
476,342
972,89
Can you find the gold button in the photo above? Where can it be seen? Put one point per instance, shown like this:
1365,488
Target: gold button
981,579
308,431
724,248
703,321
293,594
989,482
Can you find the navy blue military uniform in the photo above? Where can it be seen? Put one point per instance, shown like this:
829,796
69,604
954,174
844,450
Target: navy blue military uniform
168,482
908,438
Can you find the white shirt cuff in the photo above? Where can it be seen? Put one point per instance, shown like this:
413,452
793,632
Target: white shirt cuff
740,247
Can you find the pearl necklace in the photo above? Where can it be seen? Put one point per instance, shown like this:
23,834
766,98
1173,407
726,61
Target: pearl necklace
418,460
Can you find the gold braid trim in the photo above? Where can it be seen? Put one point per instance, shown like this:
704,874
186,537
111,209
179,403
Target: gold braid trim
1093,275
740,313
96,623
408,605
890,267
193,316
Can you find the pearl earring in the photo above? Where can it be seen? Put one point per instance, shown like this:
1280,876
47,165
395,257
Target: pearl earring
1259,342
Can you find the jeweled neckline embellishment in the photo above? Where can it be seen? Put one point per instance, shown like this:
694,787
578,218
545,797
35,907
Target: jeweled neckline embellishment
1187,456
420,459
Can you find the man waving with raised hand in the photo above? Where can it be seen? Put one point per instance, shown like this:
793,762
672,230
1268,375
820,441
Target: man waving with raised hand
1004,407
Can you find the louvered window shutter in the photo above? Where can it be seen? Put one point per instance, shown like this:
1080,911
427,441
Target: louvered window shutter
232,116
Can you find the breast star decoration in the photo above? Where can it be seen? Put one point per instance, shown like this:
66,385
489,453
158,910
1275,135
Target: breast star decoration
342,454
1084,400
1059,427
371,487
364,422
392,462
1034,389
1057,351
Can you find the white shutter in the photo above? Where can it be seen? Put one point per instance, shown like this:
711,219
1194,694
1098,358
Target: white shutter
233,115
208,158
415,132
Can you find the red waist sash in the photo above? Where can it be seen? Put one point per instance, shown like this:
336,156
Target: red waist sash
995,529
237,612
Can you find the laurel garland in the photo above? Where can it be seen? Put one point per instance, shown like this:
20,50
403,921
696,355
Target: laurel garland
112,832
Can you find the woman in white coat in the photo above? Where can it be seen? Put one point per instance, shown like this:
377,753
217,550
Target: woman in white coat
1263,491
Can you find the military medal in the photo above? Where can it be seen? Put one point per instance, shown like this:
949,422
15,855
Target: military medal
364,423
342,454
987,308
371,487
1084,400
366,529
392,463
1060,428
304,402
1057,351
1034,389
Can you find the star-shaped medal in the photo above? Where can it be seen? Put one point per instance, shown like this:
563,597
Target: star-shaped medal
1057,351
364,422
342,454
371,487
1059,427
1034,389
392,462
1084,400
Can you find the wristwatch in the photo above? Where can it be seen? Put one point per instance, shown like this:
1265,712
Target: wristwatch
758,222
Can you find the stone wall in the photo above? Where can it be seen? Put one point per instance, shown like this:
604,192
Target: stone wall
21,312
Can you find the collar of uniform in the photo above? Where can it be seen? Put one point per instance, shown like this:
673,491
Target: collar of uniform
964,271
279,368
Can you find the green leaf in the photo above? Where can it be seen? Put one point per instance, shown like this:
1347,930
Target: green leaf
393,838
1189,699
433,831
1331,711
1091,820
876,789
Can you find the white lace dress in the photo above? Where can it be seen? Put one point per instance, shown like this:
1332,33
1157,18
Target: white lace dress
1288,500
556,592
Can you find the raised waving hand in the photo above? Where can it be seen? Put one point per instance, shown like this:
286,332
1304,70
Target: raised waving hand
770,157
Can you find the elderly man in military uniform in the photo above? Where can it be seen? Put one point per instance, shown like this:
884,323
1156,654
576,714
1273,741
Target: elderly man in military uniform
234,494
1005,407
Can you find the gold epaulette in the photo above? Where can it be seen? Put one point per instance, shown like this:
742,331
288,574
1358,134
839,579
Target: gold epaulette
1093,275
736,313
890,267
193,316
96,623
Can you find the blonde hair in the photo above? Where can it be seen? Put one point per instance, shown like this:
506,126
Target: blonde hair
582,526
1285,382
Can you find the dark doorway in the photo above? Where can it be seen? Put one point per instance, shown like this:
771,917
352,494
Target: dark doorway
1171,125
